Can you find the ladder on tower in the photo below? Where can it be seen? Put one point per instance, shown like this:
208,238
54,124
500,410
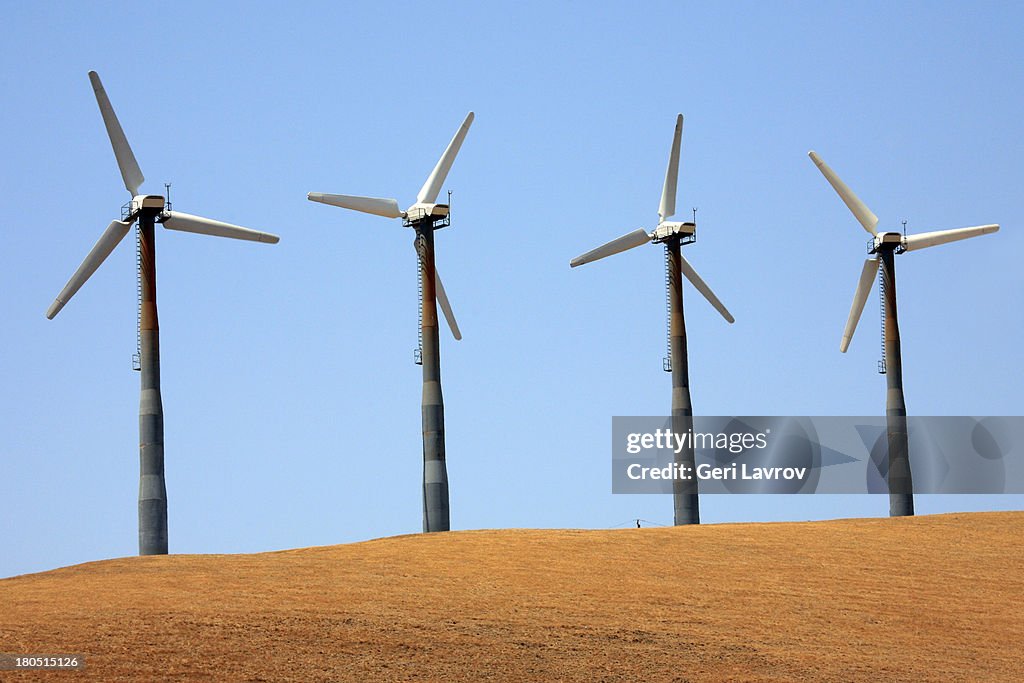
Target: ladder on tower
666,362
137,356
417,353
881,302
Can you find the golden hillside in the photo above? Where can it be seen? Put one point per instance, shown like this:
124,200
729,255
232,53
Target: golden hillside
937,598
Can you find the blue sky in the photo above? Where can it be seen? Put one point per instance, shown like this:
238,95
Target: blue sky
291,399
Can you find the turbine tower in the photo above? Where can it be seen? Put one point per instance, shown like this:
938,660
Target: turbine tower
424,217
673,235
883,246
147,210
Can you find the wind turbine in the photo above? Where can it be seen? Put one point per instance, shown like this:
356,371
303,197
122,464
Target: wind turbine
884,246
673,235
147,210
424,216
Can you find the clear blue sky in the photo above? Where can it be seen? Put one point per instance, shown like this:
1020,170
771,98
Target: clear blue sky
291,400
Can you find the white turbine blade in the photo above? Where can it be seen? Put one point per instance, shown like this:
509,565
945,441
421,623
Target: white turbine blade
186,222
867,279
375,205
446,307
110,238
130,171
633,239
859,208
431,188
931,239
668,193
703,288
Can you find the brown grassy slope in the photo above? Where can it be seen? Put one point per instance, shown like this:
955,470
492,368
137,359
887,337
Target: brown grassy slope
925,599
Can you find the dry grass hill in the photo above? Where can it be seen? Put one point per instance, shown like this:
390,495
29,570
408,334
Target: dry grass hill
937,598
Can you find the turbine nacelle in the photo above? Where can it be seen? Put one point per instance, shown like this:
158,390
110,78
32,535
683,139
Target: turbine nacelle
666,230
140,202
885,240
423,211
